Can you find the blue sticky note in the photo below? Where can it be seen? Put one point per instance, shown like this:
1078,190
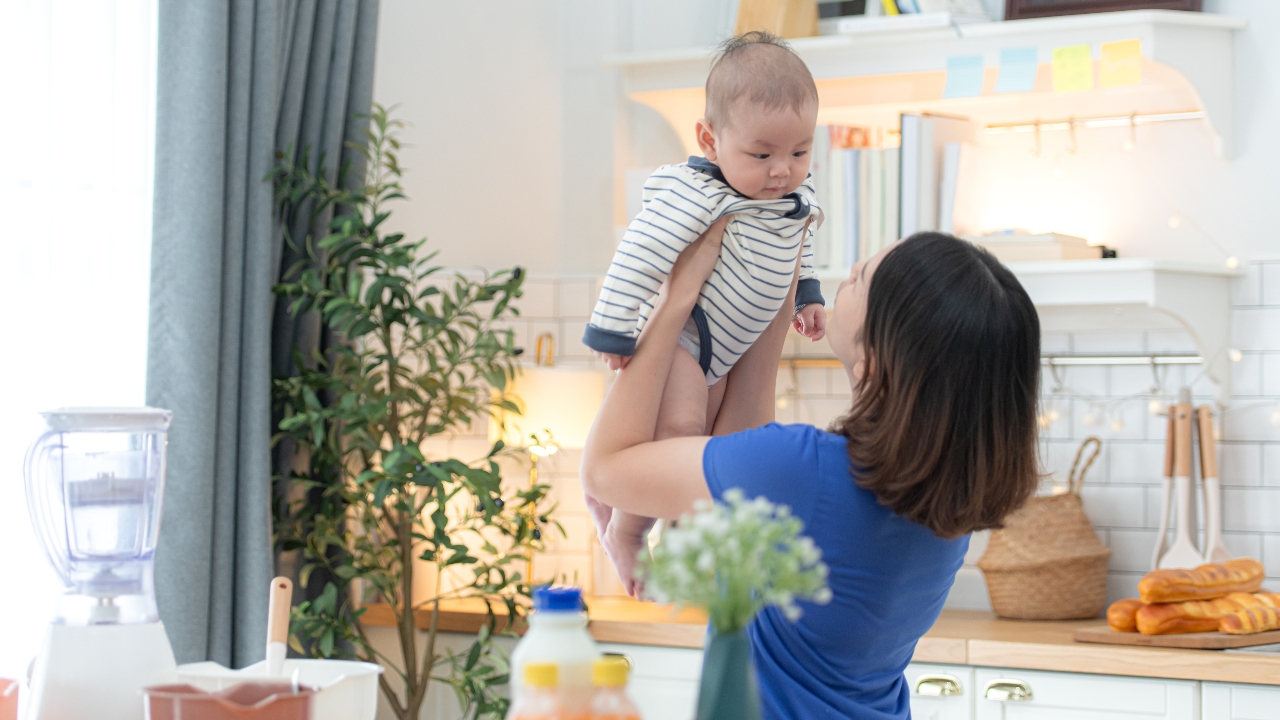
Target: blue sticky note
964,76
1017,70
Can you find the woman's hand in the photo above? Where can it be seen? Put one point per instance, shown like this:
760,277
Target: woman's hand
695,265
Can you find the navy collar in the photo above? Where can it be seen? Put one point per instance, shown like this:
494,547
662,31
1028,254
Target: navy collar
704,165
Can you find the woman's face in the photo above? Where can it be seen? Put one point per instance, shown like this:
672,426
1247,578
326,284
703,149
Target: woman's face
849,314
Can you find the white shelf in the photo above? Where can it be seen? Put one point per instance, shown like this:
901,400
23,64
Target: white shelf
869,78
1139,294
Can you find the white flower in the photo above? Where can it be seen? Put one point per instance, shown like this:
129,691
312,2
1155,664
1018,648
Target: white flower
822,596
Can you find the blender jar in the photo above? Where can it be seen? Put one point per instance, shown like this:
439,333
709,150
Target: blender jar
95,482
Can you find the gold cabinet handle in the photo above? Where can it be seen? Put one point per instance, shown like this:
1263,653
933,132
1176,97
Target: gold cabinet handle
938,685
631,665
1007,691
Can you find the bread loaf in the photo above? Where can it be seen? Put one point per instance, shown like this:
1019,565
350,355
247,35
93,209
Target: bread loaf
1250,620
1194,616
1122,616
1203,583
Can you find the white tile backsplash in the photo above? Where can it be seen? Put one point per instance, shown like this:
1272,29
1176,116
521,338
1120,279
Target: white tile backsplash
1247,291
1271,283
1240,464
1251,509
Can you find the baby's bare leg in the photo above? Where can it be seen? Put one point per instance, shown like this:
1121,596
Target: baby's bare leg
683,413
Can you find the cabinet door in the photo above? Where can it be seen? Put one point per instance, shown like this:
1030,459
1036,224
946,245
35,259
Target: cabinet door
931,686
664,681
1240,702
1058,696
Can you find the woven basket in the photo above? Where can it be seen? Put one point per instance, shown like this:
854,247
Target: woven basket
1047,563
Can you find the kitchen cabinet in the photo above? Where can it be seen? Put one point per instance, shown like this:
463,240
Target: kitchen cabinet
1001,694
940,692
1223,701
664,680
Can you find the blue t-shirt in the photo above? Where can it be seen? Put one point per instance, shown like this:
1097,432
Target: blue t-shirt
889,578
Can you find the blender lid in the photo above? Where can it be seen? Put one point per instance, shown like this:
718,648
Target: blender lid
128,419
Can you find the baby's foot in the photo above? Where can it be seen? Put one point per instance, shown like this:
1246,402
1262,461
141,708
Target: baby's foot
600,515
624,550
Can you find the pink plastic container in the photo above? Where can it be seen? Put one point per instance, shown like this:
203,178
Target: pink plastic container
256,700
8,699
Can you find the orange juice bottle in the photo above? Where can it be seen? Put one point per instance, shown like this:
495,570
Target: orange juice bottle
610,701
539,698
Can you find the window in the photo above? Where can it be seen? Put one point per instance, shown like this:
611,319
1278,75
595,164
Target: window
78,83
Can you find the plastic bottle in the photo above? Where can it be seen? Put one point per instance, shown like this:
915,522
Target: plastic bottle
540,699
558,634
610,701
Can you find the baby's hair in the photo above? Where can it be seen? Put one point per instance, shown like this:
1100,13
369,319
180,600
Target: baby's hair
759,67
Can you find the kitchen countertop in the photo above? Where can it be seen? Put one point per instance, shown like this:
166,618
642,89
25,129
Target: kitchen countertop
960,637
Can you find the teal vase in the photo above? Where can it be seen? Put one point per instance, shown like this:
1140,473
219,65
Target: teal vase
728,690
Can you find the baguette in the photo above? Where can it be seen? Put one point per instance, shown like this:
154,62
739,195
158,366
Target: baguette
1122,616
1194,616
1203,583
1250,620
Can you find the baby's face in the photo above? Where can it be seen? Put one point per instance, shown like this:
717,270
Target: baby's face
764,154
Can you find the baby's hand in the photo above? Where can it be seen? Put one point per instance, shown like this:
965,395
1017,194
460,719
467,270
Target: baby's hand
811,321
614,362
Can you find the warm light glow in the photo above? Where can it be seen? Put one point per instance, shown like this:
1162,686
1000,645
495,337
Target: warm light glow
561,400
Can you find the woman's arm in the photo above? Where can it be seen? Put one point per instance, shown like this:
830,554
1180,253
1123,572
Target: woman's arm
622,466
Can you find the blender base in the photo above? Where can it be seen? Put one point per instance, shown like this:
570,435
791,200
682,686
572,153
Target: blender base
98,671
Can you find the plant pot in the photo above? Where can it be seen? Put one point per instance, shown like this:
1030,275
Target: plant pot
728,690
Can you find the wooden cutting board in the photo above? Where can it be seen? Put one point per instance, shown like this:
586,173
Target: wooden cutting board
1203,641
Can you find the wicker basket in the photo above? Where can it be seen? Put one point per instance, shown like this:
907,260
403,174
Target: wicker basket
1047,563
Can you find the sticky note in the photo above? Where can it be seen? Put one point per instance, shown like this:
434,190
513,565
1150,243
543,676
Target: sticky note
1072,68
1121,63
1017,70
964,76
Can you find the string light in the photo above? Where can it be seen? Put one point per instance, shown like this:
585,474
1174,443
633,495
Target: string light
1235,355
1155,407
1175,221
1117,424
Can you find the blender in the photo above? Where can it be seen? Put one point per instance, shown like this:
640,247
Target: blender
94,484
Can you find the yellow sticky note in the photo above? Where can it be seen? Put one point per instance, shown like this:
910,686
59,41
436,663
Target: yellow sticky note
1072,68
1121,63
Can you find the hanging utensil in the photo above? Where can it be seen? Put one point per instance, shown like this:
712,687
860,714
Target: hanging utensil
1184,553
1166,498
1215,548
278,625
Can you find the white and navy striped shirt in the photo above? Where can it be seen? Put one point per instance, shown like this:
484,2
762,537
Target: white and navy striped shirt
749,284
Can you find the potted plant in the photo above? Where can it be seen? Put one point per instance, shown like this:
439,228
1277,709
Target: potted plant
732,559
415,353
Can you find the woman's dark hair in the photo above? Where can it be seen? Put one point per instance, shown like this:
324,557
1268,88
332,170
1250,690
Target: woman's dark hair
943,423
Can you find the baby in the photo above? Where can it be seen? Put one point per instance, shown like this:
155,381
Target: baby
761,113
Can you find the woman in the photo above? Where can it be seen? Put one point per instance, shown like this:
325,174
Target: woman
941,345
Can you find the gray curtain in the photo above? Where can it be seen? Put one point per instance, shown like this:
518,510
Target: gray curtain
236,80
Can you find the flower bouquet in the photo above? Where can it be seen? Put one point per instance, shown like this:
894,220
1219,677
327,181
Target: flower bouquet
732,559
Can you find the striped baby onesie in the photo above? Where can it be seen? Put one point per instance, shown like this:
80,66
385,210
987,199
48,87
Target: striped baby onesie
749,284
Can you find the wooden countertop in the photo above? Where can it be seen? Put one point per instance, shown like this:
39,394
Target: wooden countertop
960,637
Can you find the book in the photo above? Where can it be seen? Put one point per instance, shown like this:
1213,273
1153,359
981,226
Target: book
833,196
924,139
820,172
866,209
873,240
1018,246
947,186
852,217
890,213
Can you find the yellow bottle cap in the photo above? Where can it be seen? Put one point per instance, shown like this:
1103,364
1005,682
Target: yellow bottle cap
610,672
543,675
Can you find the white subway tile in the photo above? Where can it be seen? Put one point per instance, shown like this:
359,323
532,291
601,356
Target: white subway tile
1130,379
1271,465
813,381
1055,460
1108,342
566,493
819,412
1244,544
1247,290
808,348
571,332
1133,418
575,298
977,546
785,415
1256,328
1153,500
840,384
1121,585
568,568
1271,554
1251,509
1271,283
1115,507
1271,374
1246,375
1084,379
1131,549
1170,341
1271,586
969,591
1250,423
1240,464
1136,462
1203,388
538,301
578,531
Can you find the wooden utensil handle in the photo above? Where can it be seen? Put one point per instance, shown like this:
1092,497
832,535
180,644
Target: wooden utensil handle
278,610
1208,448
1182,450
1170,442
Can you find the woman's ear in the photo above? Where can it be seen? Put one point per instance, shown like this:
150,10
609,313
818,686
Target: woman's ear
706,139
